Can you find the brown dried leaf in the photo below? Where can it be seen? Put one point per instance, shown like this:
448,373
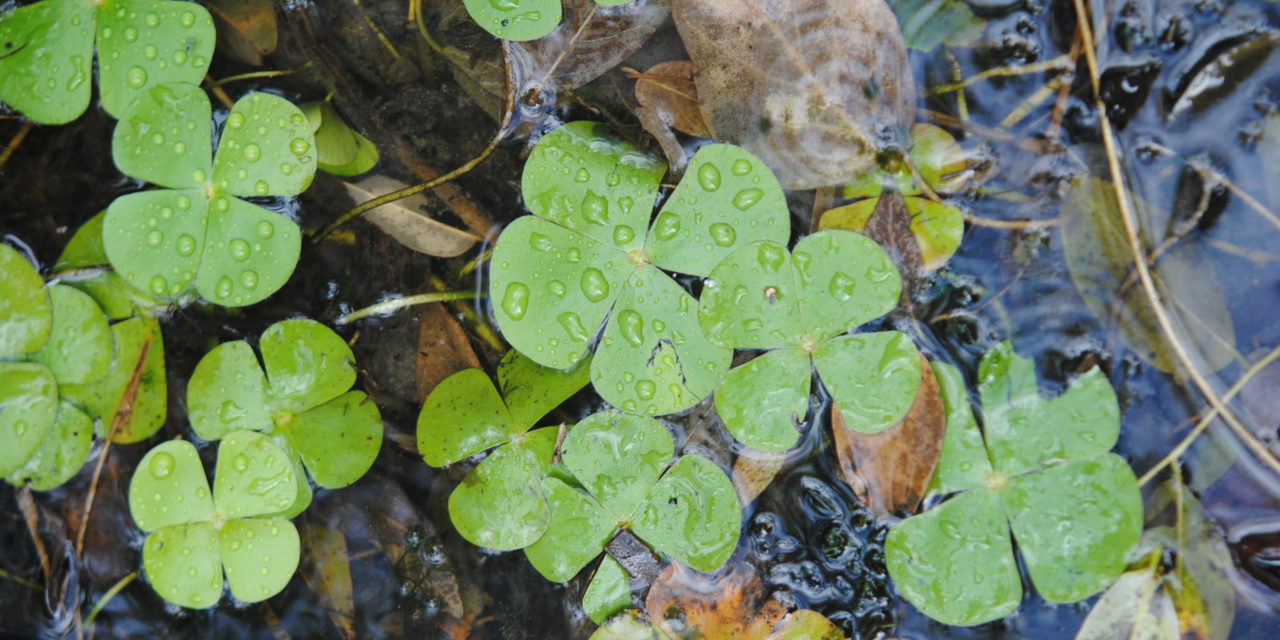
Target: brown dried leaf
733,606
667,89
443,349
890,471
408,220
754,470
247,29
890,225
327,570
812,87
591,40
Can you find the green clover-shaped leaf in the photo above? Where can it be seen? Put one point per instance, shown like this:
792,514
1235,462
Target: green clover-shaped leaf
195,231
196,536
59,338
147,398
583,260
608,592
938,227
118,298
340,150
46,53
798,303
303,397
623,463
1047,477
499,504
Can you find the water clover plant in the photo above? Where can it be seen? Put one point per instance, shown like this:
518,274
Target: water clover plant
46,53
49,337
499,504
195,537
1046,475
340,150
521,19
195,231
85,255
797,304
627,476
938,227
583,259
303,399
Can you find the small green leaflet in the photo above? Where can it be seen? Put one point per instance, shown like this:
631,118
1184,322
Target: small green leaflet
623,464
46,53
797,304
196,536
303,399
340,150
195,231
584,260
521,20
1047,480
499,504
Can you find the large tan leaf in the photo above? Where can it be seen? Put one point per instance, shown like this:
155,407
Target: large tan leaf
811,87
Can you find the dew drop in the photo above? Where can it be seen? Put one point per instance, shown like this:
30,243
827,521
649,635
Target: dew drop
179,147
150,52
184,202
260,187
557,288
224,287
741,167
516,300
594,286
155,238
239,249
539,242
187,19
646,388
723,234
157,138
241,462
299,146
249,279
136,77
158,285
709,178
573,255
632,326
842,286
161,465
235,121
131,34
252,153
771,256
153,20
179,57
221,204
582,176
198,176
235,545
623,234
667,226
573,326
595,208
265,230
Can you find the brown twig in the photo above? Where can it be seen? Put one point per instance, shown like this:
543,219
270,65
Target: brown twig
17,140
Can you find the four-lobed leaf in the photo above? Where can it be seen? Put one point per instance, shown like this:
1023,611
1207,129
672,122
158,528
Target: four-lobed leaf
1046,479
197,535
51,338
584,260
797,304
197,231
46,53
628,477
303,399
500,504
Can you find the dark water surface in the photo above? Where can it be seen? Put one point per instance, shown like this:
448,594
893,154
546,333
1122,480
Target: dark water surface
806,534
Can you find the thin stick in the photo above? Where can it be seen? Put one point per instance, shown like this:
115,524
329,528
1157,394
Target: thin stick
1015,225
17,140
1176,454
396,304
386,42
106,597
430,184
1059,63
1144,273
256,74
122,412
20,580
415,8
32,517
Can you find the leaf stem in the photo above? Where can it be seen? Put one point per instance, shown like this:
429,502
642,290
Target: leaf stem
106,597
256,74
395,304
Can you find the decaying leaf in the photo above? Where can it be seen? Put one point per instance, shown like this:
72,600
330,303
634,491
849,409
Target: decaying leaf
734,606
754,470
890,471
408,220
1134,608
1098,256
890,226
1200,581
592,39
327,570
668,90
812,87
247,29
443,349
